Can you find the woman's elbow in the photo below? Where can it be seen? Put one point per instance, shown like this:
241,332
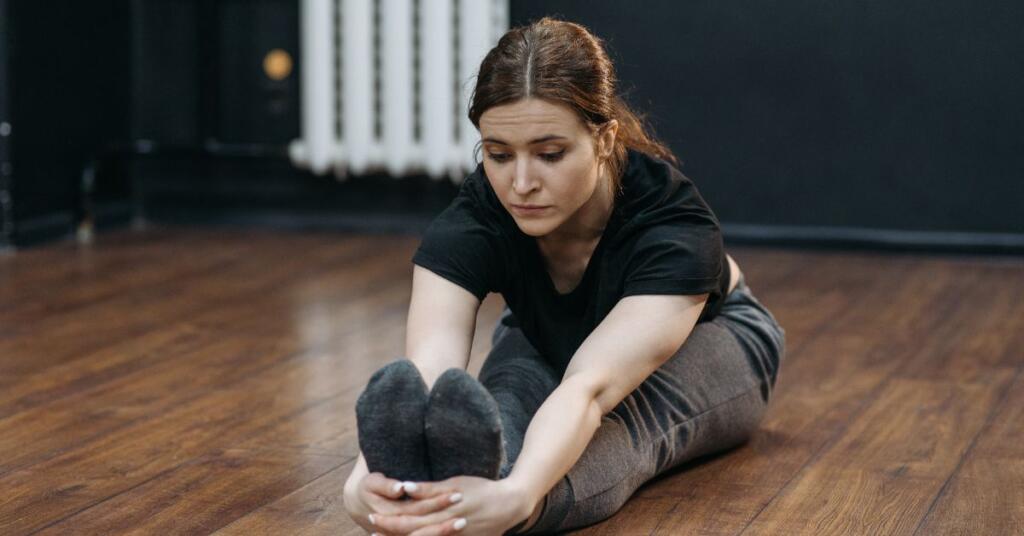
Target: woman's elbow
598,394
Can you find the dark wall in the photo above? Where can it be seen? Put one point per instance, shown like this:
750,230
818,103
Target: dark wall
198,75
877,124
6,168
199,82
884,115
169,94
68,91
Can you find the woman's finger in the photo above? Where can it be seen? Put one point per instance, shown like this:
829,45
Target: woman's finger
382,494
405,524
429,505
452,526
386,506
425,490
384,486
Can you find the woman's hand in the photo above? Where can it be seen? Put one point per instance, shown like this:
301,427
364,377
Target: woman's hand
483,507
374,494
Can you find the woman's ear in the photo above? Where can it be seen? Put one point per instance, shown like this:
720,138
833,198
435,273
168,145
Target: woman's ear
606,138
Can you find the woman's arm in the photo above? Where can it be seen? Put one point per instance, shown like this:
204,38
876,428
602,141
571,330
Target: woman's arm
734,272
556,437
441,323
637,337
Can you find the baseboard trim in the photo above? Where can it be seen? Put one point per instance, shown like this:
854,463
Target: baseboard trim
874,239
60,225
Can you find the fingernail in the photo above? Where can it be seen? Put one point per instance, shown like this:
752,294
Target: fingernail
372,521
460,523
411,486
396,488
456,497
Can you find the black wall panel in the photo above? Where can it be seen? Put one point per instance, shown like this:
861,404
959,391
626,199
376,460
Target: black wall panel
801,121
198,71
68,82
164,70
6,167
253,108
807,115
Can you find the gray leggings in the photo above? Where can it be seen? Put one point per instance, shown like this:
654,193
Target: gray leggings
708,397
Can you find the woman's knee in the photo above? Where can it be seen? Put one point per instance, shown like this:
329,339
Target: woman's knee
565,510
762,337
599,507
609,471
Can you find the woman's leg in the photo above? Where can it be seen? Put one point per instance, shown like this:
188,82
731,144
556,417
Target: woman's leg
519,379
708,397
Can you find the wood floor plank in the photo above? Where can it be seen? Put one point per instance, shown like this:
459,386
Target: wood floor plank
192,380
255,309
989,335
986,493
37,276
200,495
880,477
128,456
156,427
946,342
71,336
228,357
786,435
312,510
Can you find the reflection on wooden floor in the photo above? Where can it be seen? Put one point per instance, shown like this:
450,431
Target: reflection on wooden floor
183,380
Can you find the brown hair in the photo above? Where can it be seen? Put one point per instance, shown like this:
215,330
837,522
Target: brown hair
562,62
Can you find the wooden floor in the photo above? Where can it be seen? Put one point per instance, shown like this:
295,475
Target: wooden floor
181,380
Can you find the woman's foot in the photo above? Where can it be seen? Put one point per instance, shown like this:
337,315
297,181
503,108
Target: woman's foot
389,416
463,428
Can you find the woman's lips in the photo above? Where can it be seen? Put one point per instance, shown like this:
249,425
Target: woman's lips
528,211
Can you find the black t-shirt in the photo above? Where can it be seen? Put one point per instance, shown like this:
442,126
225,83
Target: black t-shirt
661,238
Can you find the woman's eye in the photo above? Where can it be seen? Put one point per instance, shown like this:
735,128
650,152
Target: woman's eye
498,157
552,157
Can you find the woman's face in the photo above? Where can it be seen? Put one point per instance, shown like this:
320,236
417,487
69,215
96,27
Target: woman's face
539,153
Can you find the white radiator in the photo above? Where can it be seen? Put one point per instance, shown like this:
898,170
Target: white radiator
386,84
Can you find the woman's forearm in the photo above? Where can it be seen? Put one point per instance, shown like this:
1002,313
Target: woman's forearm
359,471
350,494
556,438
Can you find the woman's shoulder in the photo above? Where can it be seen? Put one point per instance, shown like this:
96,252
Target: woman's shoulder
655,192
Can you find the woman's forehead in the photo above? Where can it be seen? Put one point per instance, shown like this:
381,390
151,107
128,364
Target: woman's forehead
526,121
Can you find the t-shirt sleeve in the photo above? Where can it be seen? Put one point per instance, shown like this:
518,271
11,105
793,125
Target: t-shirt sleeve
676,257
463,248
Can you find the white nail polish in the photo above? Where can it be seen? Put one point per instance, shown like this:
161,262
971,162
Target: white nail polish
396,488
411,486
372,521
456,497
460,524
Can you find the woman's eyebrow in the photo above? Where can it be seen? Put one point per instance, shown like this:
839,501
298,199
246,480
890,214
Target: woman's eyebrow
541,139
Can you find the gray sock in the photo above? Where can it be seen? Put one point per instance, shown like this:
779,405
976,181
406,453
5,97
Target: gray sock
389,418
463,428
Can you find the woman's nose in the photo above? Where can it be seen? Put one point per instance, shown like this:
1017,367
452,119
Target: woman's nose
521,181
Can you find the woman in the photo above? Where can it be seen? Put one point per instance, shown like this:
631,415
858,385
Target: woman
630,342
